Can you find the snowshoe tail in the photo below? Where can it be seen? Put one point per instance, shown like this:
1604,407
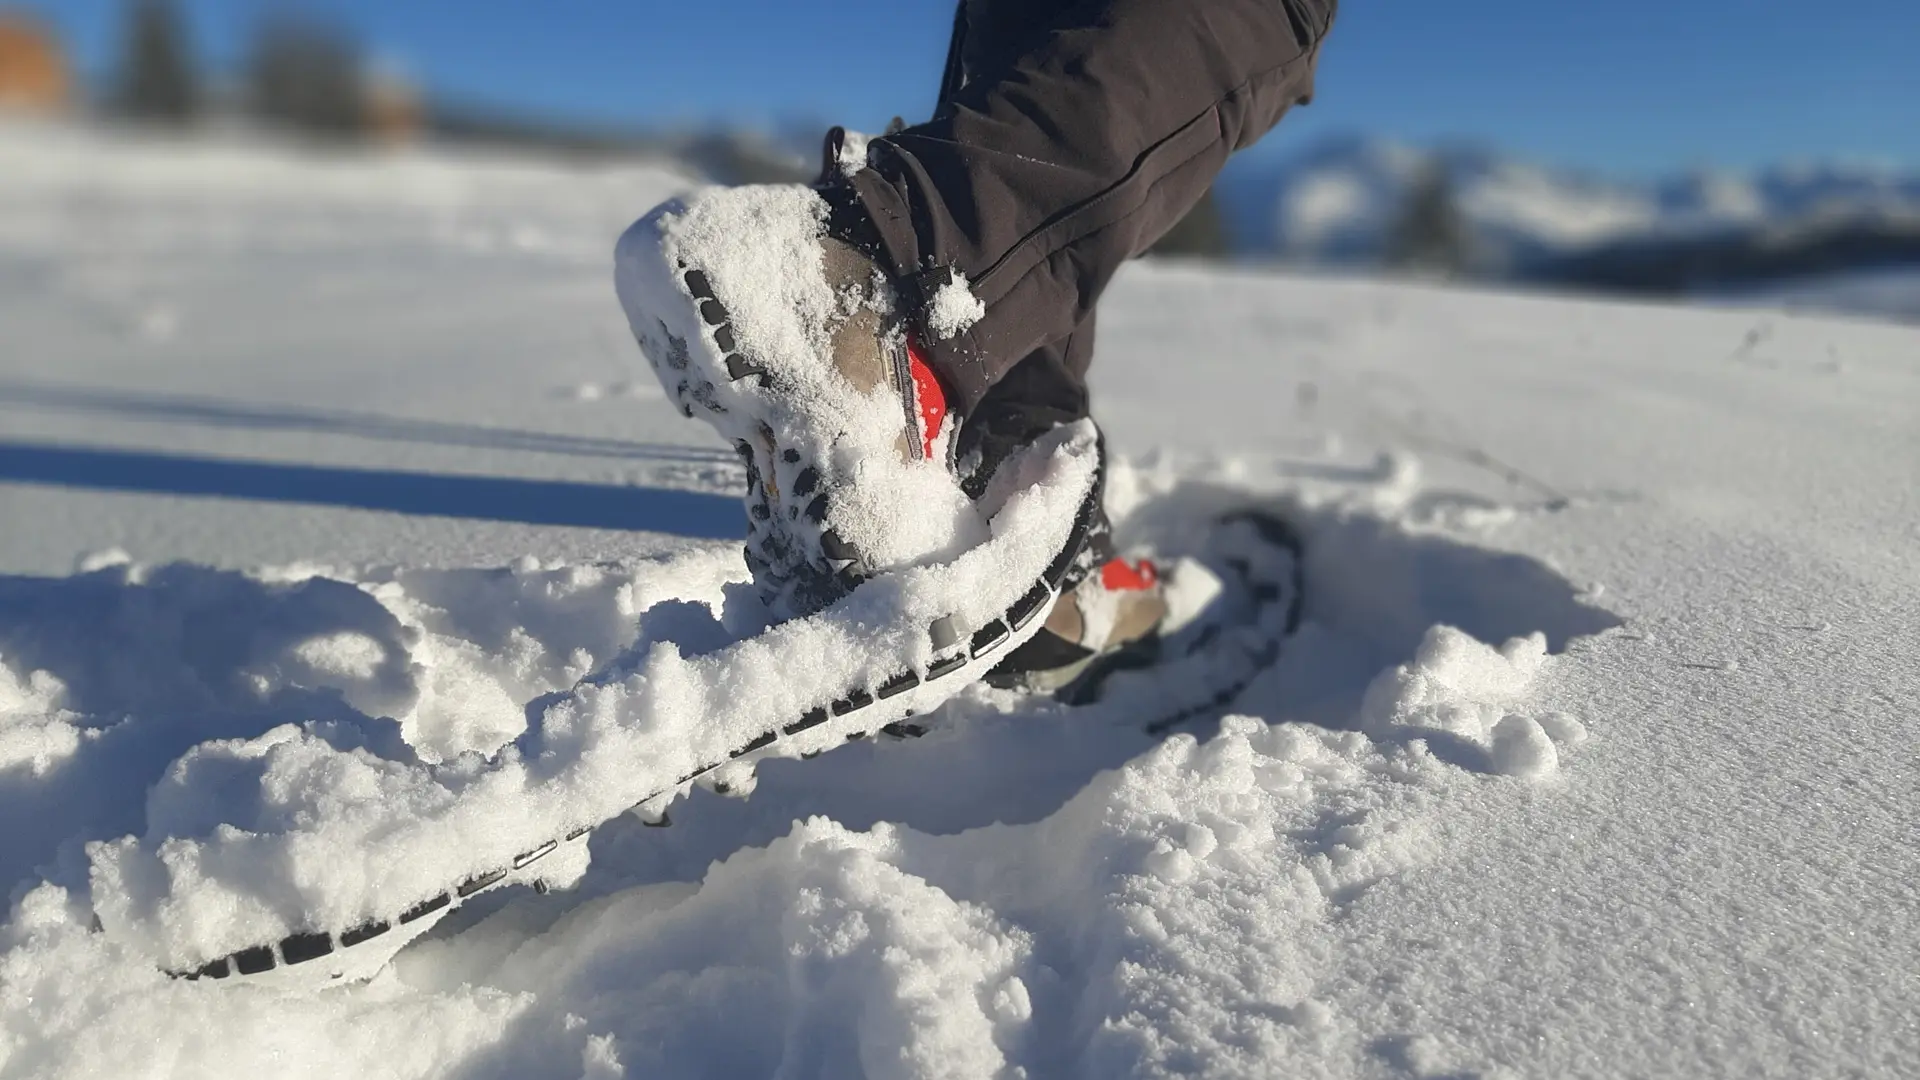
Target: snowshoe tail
1206,664
1266,561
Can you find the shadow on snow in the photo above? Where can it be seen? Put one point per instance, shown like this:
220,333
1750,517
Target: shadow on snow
212,412
491,498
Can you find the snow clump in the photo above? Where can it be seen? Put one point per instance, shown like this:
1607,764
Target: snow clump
954,308
34,732
1459,688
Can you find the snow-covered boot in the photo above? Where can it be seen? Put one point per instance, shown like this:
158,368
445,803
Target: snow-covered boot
791,342
761,319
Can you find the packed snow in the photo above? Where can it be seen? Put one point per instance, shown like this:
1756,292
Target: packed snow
1592,757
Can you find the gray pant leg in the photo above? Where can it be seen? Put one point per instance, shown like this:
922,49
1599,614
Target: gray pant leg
1069,149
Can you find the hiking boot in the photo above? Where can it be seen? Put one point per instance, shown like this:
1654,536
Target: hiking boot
792,343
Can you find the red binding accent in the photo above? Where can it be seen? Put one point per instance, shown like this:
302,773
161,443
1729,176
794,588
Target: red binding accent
1117,576
930,398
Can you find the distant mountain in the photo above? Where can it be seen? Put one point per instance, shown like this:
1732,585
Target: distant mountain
1341,201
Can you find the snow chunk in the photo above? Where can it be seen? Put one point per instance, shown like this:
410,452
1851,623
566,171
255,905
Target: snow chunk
1462,689
954,308
1454,683
34,732
104,559
853,153
1563,729
1522,748
349,654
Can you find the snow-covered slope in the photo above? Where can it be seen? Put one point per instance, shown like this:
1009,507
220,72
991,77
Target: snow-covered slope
1338,200
1594,756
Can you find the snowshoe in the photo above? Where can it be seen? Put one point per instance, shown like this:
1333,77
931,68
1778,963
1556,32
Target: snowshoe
640,741
328,891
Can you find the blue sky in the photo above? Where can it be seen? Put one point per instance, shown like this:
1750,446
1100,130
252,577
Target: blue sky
1624,86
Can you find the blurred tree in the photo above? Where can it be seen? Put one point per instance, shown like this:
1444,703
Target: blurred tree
395,113
1201,234
1430,236
308,76
740,157
157,83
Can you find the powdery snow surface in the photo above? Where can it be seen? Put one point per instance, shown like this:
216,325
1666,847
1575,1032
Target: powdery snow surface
1593,755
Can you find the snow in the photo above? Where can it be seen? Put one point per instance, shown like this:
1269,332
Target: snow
1322,204
1593,756
1531,202
34,733
954,307
852,155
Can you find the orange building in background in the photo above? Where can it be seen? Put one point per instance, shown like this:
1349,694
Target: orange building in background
33,72
394,114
